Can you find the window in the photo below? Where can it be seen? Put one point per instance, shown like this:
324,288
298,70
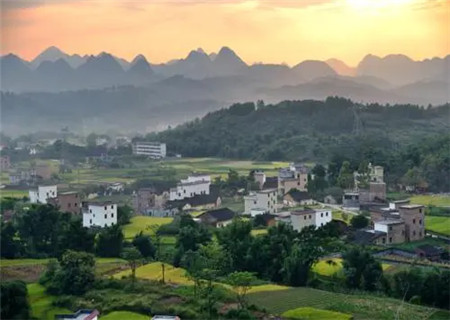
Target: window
309,216
420,221
90,210
390,228
106,215
298,183
420,233
384,240
414,221
105,207
268,203
420,210
68,205
327,214
414,232
112,215
304,217
184,191
390,239
254,202
90,221
321,214
112,207
268,195
75,204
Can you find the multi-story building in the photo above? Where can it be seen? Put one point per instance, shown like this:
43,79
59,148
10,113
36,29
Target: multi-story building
376,174
265,200
394,230
293,177
4,163
414,217
195,184
67,202
99,214
309,217
154,150
147,201
42,194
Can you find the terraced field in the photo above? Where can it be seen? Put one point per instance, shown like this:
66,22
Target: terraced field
41,303
438,224
148,225
122,315
437,200
360,306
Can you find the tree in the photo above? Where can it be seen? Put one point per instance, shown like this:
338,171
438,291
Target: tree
134,258
124,214
241,283
145,246
10,247
345,179
14,302
74,275
363,175
110,242
361,269
359,221
76,238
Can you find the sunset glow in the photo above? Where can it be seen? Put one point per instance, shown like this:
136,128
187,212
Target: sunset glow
265,30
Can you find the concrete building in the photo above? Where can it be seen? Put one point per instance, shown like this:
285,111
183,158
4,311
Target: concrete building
217,218
83,314
99,214
260,178
4,163
264,199
297,198
350,200
154,150
293,177
376,174
42,193
67,202
195,184
309,217
394,230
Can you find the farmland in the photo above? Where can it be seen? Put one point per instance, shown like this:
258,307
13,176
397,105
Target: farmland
41,303
315,314
439,224
436,200
333,266
121,315
360,306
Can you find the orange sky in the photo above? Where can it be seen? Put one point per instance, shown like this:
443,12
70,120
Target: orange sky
258,30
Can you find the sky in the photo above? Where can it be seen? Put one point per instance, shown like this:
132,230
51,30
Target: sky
269,31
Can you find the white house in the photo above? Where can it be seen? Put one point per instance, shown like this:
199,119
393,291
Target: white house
195,184
262,200
154,150
99,214
309,217
42,194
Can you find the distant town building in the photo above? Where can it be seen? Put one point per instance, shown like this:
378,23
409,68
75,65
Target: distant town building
217,218
297,198
293,177
4,163
44,171
99,214
197,202
350,200
42,194
429,252
195,184
376,174
116,187
147,201
154,150
393,229
264,200
67,202
300,219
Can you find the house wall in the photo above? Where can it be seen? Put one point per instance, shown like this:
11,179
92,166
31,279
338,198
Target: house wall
414,222
154,150
322,217
100,215
299,221
183,191
223,224
42,194
261,200
69,203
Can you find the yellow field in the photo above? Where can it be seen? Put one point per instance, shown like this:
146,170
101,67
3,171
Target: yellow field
434,200
268,287
323,268
148,225
258,232
153,271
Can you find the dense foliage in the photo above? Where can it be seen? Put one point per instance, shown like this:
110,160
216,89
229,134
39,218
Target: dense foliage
14,303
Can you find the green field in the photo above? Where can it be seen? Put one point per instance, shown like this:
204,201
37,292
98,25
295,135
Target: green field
360,306
41,303
11,193
307,313
122,315
153,271
148,225
27,262
438,224
434,200
327,269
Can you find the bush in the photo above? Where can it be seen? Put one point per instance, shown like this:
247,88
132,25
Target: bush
239,314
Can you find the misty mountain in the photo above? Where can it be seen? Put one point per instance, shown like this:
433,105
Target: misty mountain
340,67
312,69
401,70
53,54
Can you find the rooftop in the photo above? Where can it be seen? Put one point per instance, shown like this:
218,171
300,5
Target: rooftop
390,222
301,212
216,215
299,195
66,193
267,191
192,183
411,206
97,203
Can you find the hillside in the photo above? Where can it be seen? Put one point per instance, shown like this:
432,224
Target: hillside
302,130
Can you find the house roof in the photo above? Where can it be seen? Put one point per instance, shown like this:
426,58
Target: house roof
217,215
271,183
365,237
299,195
302,212
411,206
268,190
429,249
390,222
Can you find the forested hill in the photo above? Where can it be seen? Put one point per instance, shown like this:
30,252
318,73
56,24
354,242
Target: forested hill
305,130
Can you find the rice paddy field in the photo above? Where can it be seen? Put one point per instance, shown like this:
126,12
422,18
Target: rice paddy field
41,303
360,306
148,225
153,271
439,224
437,200
333,266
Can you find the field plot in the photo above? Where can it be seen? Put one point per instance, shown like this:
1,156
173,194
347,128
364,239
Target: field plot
330,267
153,271
315,314
12,193
439,224
148,225
41,303
437,200
360,306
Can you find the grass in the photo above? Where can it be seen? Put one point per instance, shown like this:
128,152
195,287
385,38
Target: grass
339,215
410,246
41,303
439,224
307,313
326,269
12,193
121,315
362,306
267,287
236,204
153,271
258,232
148,225
431,199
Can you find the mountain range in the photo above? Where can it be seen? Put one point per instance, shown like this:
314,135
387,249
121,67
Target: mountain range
157,95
